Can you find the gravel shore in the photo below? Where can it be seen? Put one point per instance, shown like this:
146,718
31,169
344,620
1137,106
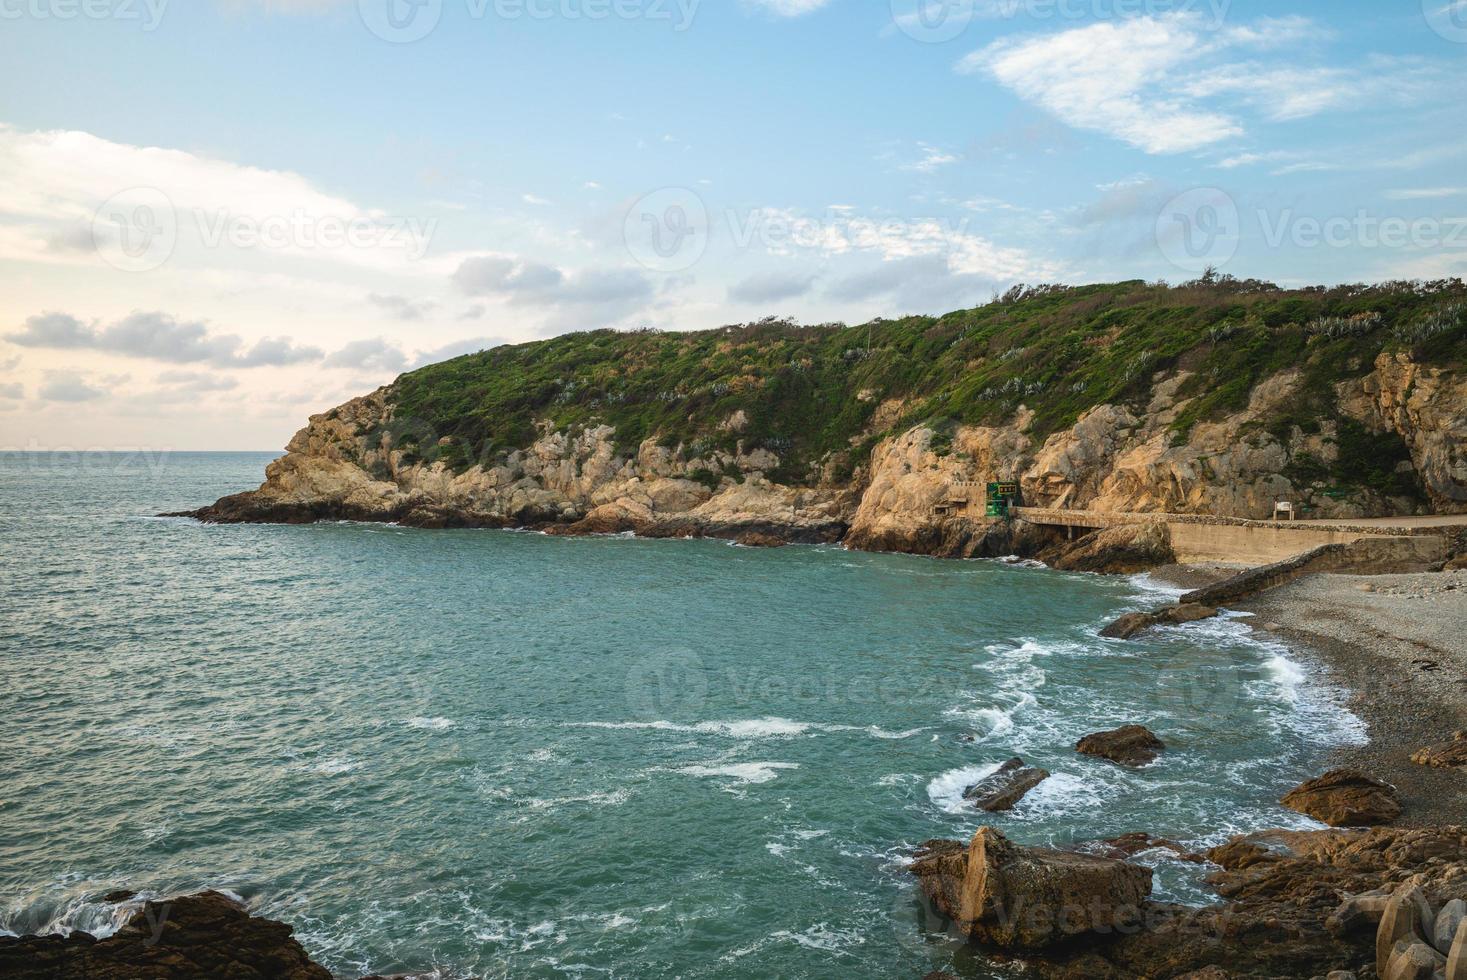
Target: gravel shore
1399,644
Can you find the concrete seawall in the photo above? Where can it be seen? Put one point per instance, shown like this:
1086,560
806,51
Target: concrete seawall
1204,538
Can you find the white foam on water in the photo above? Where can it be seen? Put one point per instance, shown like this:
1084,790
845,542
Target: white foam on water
749,728
758,728
823,937
1151,587
741,772
432,724
946,790
1064,794
610,798
876,731
1288,675
334,766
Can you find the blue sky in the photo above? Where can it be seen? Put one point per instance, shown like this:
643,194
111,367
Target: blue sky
172,174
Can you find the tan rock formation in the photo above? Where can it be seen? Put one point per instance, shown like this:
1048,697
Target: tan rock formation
1015,897
1345,798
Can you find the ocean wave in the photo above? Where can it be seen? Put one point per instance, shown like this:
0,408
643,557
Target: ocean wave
946,789
432,724
740,772
745,729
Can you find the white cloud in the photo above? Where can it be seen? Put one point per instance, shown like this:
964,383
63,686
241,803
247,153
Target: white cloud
160,337
1425,193
69,386
771,287
400,307
53,183
1172,83
788,8
374,354
932,160
1109,77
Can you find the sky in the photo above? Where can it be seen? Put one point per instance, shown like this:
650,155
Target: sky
218,217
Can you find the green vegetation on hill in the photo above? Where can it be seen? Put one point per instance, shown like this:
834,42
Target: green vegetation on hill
810,392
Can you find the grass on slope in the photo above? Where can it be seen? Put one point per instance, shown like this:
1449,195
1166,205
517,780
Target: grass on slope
810,392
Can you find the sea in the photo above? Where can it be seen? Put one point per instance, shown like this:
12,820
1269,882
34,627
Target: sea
505,754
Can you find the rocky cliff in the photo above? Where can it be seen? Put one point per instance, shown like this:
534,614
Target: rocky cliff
812,434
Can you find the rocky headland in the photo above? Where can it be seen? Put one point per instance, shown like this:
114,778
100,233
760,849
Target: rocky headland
1217,398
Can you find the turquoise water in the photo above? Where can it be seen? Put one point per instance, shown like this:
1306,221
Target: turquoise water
511,755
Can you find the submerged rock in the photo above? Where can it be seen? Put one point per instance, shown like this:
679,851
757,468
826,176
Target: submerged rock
1129,845
204,935
1132,623
1004,788
1345,798
1129,745
760,539
1028,898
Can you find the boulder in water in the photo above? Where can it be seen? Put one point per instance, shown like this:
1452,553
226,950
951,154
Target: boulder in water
1129,745
1004,788
1132,623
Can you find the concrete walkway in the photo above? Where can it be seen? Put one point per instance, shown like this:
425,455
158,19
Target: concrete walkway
1206,538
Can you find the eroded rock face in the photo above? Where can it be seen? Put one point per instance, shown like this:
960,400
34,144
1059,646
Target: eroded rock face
205,935
360,462
1345,798
1129,745
1120,550
346,464
1019,898
1427,407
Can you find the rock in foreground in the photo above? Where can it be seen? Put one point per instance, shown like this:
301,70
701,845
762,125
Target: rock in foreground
1004,788
1284,915
1345,798
1019,898
205,935
1129,745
